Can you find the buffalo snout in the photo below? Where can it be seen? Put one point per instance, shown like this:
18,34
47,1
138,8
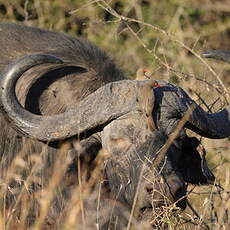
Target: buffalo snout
169,190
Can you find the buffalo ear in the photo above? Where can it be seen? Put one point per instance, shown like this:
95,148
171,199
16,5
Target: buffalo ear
193,166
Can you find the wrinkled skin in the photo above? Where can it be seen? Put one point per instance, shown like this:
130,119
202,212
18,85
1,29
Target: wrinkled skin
133,151
132,139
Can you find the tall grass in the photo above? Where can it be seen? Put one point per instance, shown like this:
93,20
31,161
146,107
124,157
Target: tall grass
164,36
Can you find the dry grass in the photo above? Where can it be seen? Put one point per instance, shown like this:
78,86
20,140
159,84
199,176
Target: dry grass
164,36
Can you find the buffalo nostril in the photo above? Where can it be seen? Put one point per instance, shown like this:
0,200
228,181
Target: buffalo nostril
149,189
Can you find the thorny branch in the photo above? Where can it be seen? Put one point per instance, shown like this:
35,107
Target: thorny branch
103,4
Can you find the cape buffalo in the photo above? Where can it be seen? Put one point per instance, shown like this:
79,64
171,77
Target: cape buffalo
56,88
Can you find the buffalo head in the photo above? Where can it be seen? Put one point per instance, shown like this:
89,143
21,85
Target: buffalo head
140,126
102,107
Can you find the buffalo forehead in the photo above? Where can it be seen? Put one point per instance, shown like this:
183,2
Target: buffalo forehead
121,133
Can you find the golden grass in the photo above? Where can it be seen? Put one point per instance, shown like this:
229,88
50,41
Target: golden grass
164,36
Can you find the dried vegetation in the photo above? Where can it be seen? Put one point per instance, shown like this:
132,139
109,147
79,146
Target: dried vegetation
167,37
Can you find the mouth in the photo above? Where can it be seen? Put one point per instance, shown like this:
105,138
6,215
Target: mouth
153,217
146,209
161,206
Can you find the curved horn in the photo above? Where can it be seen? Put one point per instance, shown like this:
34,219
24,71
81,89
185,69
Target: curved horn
216,125
93,112
210,125
222,55
174,104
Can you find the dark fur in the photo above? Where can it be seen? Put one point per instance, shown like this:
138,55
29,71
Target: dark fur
60,88
97,67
